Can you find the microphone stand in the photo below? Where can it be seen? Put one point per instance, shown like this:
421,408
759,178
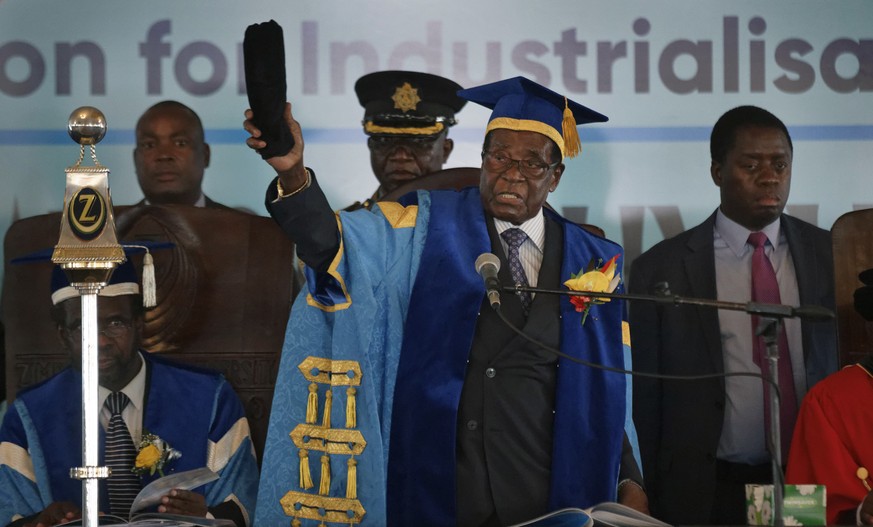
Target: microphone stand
771,316
768,329
774,311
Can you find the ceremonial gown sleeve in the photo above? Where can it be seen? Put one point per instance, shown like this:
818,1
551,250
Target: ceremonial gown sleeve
343,339
231,455
306,217
20,495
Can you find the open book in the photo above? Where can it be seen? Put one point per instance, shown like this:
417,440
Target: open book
611,514
151,495
607,514
157,519
560,518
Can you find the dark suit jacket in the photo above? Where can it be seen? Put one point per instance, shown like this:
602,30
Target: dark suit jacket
679,423
505,423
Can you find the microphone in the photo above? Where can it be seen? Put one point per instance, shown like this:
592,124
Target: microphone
487,266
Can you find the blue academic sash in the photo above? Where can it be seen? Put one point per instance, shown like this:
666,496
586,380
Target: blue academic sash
590,404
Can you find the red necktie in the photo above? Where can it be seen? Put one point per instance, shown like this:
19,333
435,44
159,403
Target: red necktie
765,289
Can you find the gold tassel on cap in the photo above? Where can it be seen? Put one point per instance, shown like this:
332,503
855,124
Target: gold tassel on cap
328,399
312,404
324,485
305,476
296,522
572,144
352,480
351,408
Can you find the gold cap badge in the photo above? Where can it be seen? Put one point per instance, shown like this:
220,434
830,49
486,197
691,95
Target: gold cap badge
406,97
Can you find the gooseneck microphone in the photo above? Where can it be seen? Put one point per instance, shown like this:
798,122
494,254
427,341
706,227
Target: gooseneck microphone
487,265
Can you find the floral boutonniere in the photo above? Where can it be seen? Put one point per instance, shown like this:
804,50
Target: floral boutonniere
154,454
594,279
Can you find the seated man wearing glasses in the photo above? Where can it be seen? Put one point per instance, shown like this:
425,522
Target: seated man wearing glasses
143,398
407,116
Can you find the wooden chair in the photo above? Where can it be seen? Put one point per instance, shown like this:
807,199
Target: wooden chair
853,252
450,178
224,291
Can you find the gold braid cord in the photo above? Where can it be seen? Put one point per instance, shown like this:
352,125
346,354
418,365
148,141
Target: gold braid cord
324,508
309,438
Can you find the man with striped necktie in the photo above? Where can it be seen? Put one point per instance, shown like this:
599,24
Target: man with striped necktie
141,396
393,291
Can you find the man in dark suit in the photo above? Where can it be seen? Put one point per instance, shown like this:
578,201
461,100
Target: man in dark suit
702,441
171,156
485,427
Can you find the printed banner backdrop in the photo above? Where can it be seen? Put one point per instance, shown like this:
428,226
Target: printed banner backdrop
663,71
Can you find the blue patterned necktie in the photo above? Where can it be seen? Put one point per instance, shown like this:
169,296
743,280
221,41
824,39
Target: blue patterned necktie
514,237
123,484
765,289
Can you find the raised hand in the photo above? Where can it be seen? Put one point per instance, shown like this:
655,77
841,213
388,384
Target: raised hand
290,166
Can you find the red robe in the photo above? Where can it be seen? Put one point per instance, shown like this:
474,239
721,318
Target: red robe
832,439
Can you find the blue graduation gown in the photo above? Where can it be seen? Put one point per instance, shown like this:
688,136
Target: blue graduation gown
195,411
403,275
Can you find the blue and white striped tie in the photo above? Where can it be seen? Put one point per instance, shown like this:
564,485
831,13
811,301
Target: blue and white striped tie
123,484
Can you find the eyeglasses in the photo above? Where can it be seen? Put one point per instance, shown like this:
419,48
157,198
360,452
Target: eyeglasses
113,329
529,168
419,145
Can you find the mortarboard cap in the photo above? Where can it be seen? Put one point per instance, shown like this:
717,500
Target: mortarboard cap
123,281
407,102
521,104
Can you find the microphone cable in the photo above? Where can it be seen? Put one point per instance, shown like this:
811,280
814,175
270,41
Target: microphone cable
665,376
662,376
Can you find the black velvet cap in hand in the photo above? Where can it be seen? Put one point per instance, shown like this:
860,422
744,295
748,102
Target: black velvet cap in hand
264,55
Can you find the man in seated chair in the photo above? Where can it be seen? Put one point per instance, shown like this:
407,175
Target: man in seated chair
192,410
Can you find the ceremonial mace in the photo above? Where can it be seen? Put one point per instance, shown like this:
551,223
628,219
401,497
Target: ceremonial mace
88,251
